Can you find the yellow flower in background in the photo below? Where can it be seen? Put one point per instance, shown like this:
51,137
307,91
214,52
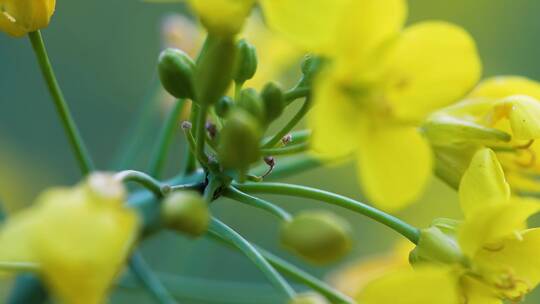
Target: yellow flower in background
19,17
222,17
78,237
381,82
502,113
493,253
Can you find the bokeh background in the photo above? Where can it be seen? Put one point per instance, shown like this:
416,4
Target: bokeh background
105,52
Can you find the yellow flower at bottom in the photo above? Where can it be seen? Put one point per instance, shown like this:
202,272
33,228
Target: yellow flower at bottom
78,237
19,17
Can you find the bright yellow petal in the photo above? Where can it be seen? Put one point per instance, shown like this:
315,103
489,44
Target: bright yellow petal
504,86
476,292
222,17
435,64
483,183
515,256
412,286
20,17
394,164
524,115
493,223
309,23
333,118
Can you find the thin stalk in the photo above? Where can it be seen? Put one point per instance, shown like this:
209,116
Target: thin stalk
156,187
223,232
256,202
190,161
165,139
287,150
83,157
145,275
333,295
410,232
210,190
296,93
290,166
200,129
289,126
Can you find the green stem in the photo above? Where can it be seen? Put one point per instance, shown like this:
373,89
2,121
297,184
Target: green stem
77,144
200,129
296,93
287,150
333,295
290,166
289,126
211,188
143,272
190,161
256,202
156,187
165,138
223,232
405,229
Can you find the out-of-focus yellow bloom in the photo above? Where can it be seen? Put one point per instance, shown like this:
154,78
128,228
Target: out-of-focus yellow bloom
222,17
502,113
381,82
19,17
78,237
498,252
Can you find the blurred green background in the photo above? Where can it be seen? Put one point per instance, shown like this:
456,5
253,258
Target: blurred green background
104,53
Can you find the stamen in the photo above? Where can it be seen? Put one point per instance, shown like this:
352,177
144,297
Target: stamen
9,17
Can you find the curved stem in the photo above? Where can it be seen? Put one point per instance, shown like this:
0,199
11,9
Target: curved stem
296,93
157,188
289,126
405,229
165,138
333,295
143,272
77,144
292,149
290,166
223,232
256,202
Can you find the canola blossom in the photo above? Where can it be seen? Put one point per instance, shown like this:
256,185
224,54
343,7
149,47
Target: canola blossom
404,102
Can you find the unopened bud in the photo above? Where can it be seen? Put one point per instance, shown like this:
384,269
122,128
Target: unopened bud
310,67
186,212
214,71
224,106
239,141
318,236
274,101
246,62
176,73
252,103
438,245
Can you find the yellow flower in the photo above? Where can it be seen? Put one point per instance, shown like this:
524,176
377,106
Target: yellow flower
502,113
19,17
497,259
222,17
78,237
381,82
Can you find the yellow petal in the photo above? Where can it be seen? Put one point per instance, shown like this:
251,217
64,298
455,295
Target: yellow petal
394,164
309,23
515,257
333,118
493,223
483,183
19,17
476,292
505,86
523,113
435,64
425,285
222,17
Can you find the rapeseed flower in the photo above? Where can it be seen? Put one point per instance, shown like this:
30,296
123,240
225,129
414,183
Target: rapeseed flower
20,17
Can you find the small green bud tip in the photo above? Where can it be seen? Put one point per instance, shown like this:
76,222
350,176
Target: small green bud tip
274,101
186,212
224,106
246,62
250,101
176,72
310,66
308,298
239,141
438,244
318,236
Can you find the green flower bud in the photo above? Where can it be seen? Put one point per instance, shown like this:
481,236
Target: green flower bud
310,67
246,62
214,71
176,73
308,298
438,244
274,101
452,161
251,102
441,129
186,212
224,106
239,141
318,236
